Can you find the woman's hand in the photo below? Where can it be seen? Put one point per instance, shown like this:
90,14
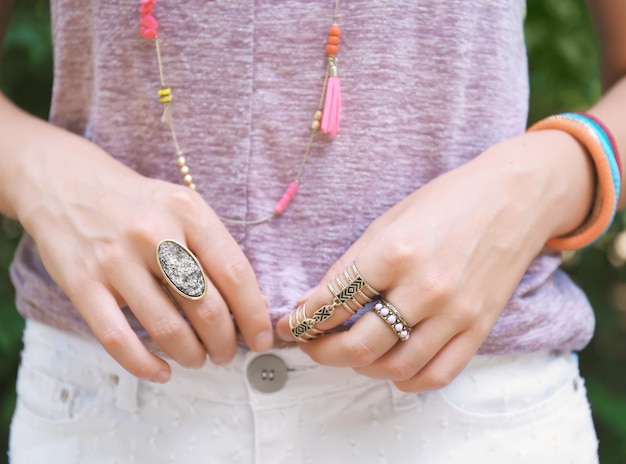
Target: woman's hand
449,257
97,223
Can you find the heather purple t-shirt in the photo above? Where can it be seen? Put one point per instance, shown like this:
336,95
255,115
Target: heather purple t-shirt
427,85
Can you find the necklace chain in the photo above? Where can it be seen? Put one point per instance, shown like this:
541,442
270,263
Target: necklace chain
325,118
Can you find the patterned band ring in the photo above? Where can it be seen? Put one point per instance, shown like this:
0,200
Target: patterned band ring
388,313
353,293
303,327
181,269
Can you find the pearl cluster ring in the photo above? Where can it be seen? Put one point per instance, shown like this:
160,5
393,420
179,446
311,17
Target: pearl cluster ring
388,313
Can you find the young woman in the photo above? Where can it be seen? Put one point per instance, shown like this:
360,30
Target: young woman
169,289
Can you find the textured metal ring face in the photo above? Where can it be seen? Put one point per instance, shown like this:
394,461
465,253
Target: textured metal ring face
353,293
181,269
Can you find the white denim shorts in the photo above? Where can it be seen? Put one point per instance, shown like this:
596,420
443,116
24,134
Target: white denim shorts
76,405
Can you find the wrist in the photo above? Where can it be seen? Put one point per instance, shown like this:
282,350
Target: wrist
550,178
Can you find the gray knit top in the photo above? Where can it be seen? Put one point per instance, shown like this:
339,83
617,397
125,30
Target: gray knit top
427,85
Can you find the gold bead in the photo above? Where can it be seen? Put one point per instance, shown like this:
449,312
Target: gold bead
192,186
318,115
315,125
184,170
181,161
188,179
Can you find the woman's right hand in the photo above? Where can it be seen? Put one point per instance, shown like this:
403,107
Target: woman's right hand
97,223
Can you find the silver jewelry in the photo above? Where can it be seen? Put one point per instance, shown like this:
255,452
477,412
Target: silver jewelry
181,269
354,292
394,319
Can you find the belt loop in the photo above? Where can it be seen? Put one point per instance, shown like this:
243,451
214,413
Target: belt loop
126,389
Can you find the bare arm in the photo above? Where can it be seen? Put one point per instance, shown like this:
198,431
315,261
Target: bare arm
609,17
81,206
450,255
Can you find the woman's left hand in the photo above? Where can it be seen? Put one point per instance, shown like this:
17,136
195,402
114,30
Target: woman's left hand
449,257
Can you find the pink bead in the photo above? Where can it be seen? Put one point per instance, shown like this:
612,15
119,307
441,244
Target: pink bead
378,306
293,189
146,10
149,26
286,199
149,22
398,327
148,33
404,335
392,319
384,312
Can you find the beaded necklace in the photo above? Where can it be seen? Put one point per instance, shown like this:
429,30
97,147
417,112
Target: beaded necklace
325,118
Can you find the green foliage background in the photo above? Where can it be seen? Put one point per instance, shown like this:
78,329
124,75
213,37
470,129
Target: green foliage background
563,70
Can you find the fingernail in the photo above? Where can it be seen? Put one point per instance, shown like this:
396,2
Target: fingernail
162,376
219,361
264,341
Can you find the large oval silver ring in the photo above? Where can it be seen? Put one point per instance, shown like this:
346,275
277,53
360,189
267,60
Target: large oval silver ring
181,269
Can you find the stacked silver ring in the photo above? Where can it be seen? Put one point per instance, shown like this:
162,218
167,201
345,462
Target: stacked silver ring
303,327
388,313
354,293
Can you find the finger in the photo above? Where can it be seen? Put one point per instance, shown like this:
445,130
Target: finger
445,366
100,311
200,301
232,274
366,341
157,313
213,323
363,243
333,302
406,359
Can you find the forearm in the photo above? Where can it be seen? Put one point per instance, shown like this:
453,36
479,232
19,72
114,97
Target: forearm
611,110
551,178
20,133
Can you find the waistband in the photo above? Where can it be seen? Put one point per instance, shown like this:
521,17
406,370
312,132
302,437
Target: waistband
85,363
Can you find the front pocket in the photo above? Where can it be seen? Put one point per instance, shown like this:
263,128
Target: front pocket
511,386
52,399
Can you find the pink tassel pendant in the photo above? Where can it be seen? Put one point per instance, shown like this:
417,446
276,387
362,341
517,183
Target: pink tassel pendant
332,100
332,104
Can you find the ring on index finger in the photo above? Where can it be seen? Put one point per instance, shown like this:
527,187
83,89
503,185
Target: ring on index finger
181,269
353,293
303,327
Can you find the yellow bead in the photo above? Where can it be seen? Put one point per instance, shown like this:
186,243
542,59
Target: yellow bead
181,161
318,115
165,99
192,186
184,170
315,125
188,179
164,92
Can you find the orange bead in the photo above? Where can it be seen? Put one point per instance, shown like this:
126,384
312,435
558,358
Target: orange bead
334,30
332,50
333,40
